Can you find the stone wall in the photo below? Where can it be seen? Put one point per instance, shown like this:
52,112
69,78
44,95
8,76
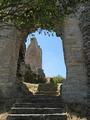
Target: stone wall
79,108
75,87
9,50
85,29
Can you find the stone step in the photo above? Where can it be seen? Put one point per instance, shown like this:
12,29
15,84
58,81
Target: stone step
42,97
36,110
48,93
40,101
37,117
44,100
41,105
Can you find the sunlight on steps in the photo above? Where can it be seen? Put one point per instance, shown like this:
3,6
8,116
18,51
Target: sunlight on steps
44,89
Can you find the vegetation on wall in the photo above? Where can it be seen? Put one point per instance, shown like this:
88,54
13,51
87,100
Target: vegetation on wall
29,13
32,14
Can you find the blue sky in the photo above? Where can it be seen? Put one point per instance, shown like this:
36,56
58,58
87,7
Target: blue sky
52,53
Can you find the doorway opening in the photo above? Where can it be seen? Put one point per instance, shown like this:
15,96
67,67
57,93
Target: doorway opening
45,58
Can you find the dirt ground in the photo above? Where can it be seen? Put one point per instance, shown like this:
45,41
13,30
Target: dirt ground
3,116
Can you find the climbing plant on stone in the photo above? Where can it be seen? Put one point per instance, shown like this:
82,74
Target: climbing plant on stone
31,14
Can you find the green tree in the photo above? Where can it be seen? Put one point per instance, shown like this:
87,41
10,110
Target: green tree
32,77
57,79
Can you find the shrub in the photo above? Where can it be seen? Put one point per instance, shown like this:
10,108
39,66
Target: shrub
32,77
57,79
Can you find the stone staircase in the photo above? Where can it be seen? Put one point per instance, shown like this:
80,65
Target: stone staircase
38,108
44,89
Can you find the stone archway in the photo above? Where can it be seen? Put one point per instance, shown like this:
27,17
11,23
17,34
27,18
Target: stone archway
75,87
73,56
